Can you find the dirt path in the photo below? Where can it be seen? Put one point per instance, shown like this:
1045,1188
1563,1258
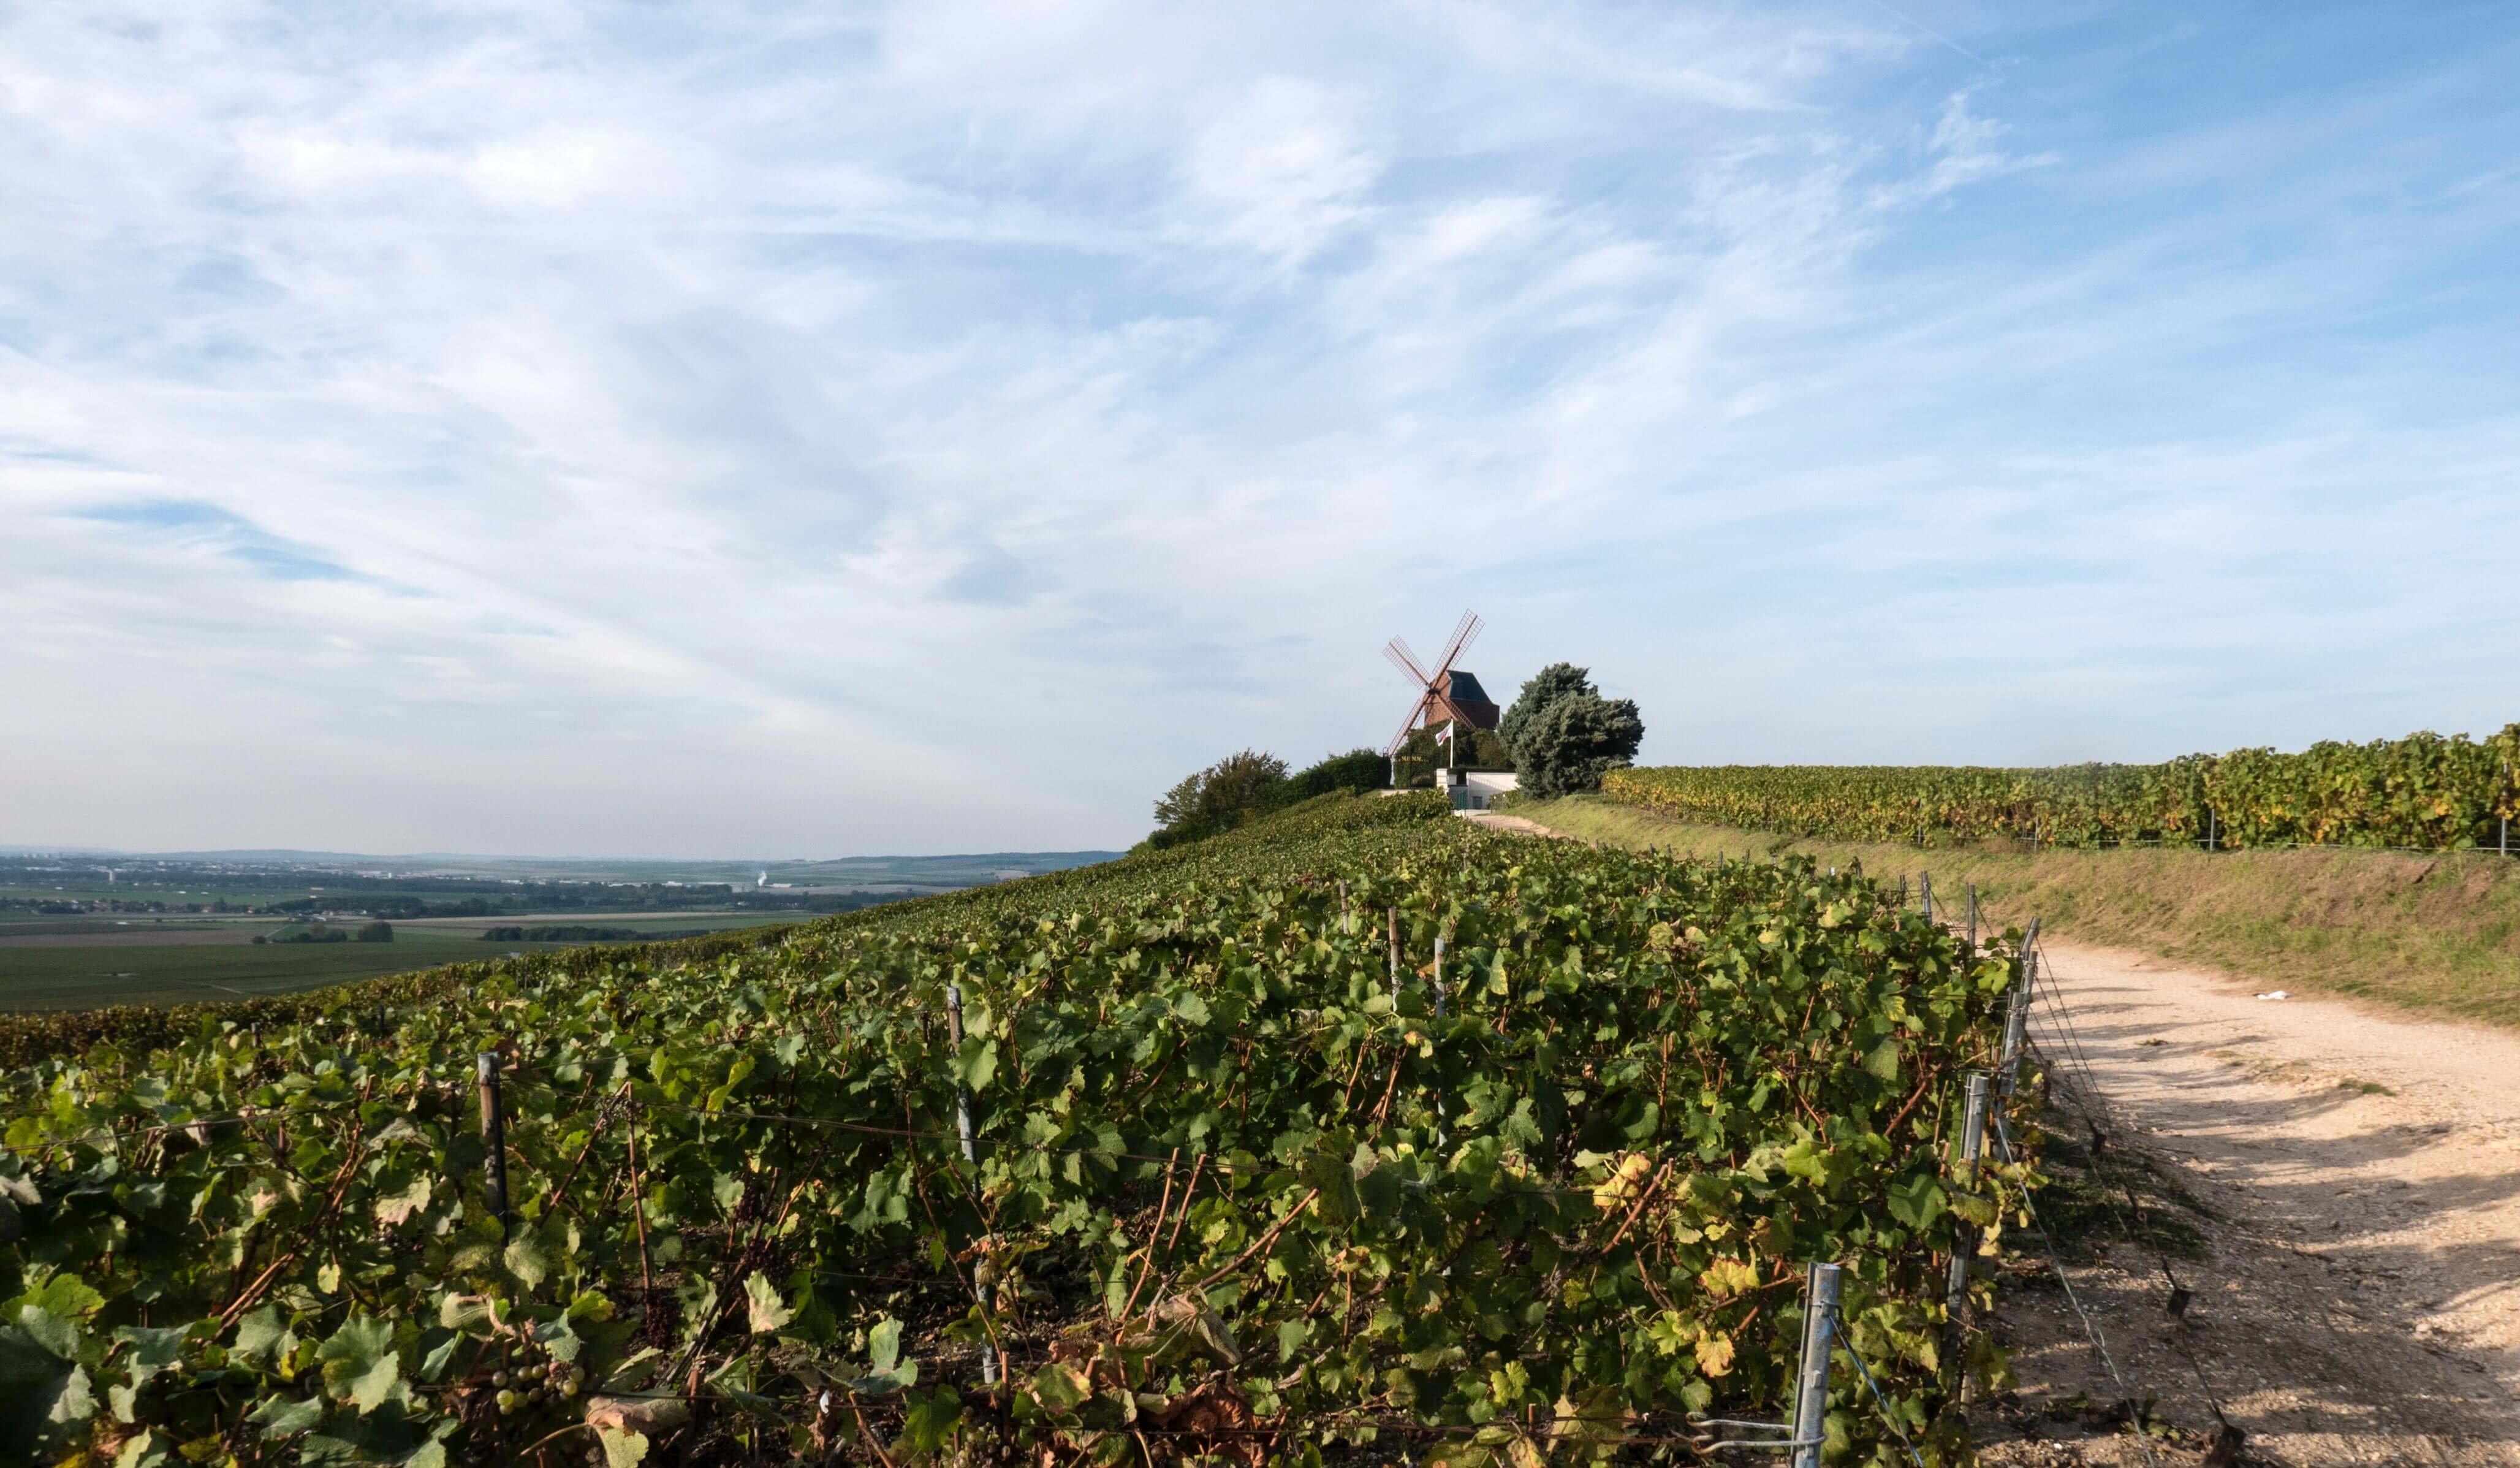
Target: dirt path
2360,1181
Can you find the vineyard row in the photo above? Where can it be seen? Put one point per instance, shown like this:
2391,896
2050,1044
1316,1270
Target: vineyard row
2423,792
1247,1175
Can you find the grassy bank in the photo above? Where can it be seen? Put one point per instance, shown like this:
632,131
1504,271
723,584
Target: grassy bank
2438,933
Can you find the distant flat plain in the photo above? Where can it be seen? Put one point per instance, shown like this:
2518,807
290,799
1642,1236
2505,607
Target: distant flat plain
201,960
94,950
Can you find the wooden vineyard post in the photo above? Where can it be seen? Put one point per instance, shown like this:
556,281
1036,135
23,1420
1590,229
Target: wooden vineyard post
1963,1238
1972,928
1925,893
970,1154
1810,1382
494,1139
1392,914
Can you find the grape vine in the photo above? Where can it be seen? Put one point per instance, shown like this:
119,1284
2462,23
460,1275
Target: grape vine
1238,1195
2422,791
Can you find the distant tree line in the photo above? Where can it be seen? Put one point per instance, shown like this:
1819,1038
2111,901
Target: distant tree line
1244,786
584,932
541,897
332,933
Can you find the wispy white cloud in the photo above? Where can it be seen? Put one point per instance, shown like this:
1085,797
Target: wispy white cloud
579,427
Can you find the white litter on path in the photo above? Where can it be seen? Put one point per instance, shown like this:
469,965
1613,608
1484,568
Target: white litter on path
2273,994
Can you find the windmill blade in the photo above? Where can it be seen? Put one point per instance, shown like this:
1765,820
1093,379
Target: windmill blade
1405,660
1407,725
1464,633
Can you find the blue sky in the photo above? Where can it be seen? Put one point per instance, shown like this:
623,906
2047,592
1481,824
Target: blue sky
698,429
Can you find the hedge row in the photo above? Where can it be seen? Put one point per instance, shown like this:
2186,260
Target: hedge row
2422,791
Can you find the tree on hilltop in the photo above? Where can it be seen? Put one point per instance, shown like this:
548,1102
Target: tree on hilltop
1242,787
1219,798
1546,687
1563,735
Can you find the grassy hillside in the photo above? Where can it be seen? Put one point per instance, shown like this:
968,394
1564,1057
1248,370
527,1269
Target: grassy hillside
2437,932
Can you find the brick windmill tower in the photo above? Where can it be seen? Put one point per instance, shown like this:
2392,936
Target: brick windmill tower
1445,696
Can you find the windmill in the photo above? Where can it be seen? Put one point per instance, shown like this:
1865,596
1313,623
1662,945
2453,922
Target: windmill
1444,693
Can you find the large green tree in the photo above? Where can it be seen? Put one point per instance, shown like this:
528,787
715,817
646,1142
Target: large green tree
1546,687
1219,798
1563,735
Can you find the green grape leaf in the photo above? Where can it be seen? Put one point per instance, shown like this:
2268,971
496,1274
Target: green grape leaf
766,1310
361,1365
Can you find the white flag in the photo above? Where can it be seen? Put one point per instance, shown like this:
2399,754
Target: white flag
1447,736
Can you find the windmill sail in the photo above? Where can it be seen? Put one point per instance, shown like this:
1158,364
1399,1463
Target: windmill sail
1455,698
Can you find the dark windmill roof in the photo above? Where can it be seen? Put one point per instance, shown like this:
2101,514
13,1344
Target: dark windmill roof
1465,687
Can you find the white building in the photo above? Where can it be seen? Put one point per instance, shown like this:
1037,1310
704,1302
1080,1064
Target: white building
1474,789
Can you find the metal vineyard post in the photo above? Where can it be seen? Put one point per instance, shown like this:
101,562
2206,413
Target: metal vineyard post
1963,1238
970,1153
1811,1383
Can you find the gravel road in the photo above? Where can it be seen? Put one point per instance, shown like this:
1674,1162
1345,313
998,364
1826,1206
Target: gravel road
2360,1176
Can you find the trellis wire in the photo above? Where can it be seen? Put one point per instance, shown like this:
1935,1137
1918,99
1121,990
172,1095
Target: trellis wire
2178,1293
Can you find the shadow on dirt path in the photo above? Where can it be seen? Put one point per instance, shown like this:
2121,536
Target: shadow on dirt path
2355,1177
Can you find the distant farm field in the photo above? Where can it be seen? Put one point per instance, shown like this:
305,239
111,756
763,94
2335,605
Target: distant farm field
66,965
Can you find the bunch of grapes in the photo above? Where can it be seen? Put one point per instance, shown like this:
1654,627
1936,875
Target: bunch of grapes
532,1377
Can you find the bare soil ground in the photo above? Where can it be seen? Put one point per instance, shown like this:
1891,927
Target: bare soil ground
2355,1177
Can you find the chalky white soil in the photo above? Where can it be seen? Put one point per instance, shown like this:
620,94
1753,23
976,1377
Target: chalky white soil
2361,1171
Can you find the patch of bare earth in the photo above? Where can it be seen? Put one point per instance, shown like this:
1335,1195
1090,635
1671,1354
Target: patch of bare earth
2356,1176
